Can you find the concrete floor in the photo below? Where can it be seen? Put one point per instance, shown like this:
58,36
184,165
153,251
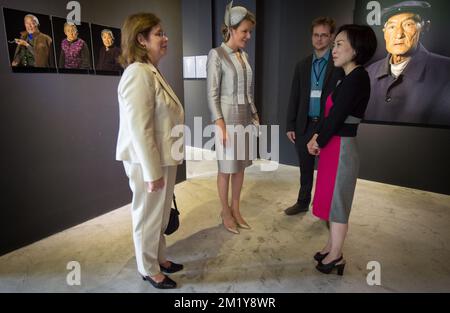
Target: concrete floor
406,231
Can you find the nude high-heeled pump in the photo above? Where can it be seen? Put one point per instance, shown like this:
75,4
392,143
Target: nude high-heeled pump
230,229
243,226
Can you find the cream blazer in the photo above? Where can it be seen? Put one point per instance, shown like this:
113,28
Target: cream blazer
149,109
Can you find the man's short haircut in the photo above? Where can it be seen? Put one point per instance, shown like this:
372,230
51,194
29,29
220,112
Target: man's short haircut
328,21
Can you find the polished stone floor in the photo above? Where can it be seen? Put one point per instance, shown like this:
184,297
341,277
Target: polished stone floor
406,231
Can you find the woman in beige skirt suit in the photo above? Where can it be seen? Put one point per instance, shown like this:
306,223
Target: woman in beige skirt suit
230,100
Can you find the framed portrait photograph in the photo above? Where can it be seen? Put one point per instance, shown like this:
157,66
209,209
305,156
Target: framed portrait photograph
410,73
73,46
30,41
106,50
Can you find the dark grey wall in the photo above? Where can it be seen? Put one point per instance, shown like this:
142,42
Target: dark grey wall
405,156
202,22
197,40
284,40
59,131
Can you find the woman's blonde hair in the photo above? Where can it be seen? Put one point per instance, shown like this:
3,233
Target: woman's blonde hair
225,32
132,50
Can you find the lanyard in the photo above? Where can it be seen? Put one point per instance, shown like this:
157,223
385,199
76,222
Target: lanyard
317,77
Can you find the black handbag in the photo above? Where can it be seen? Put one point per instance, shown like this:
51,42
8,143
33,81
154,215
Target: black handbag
174,220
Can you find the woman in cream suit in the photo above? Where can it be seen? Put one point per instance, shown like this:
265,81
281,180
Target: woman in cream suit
149,109
230,100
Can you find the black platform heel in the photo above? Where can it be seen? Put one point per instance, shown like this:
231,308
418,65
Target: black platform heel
319,256
328,268
340,269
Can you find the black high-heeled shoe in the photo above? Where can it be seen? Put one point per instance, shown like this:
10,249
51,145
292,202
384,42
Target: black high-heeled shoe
173,268
167,283
319,256
328,268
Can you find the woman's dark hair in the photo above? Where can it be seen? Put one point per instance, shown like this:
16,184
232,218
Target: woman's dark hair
362,39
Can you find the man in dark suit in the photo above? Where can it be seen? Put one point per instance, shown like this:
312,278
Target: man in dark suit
411,85
314,79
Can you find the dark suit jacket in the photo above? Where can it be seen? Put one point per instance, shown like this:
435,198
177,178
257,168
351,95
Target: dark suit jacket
421,94
297,113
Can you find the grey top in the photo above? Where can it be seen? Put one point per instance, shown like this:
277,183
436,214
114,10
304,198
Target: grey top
228,82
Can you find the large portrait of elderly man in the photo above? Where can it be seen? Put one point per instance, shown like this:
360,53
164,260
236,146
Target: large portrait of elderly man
30,41
411,84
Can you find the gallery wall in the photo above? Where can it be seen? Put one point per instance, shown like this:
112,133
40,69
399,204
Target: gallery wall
59,131
197,41
414,157
202,22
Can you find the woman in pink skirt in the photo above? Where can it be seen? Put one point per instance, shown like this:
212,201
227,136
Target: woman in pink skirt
335,141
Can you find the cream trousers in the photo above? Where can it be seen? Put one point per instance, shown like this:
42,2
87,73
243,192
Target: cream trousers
150,215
